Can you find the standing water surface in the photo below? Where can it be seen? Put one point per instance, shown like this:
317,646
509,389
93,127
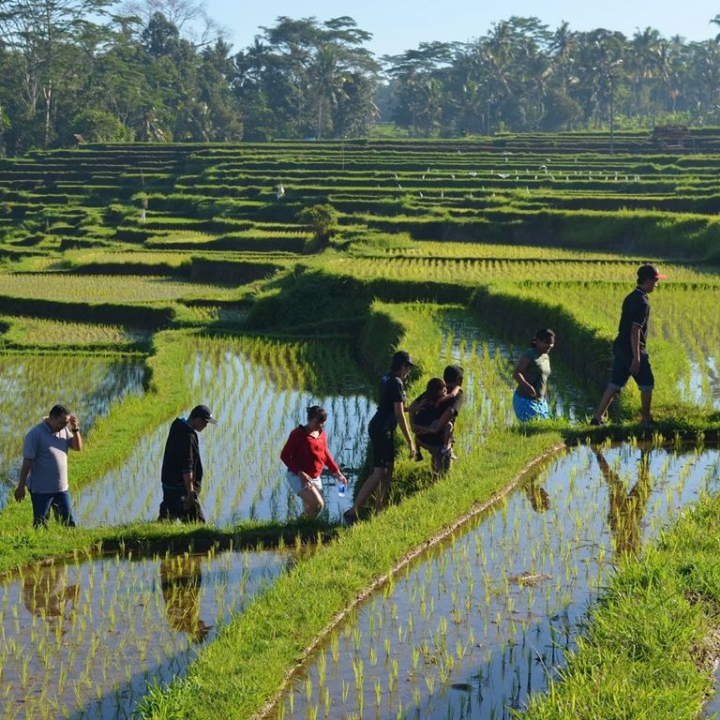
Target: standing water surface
481,622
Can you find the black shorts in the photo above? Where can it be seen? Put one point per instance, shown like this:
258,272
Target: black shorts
621,371
173,507
383,447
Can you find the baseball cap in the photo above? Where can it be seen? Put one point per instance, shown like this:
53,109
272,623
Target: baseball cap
649,272
203,412
401,357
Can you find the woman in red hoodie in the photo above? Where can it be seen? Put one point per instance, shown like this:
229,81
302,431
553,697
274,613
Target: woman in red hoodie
306,454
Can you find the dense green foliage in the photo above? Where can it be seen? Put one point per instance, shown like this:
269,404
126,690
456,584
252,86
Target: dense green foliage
77,72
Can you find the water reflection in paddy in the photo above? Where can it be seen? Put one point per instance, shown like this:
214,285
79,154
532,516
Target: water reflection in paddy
83,640
474,628
701,387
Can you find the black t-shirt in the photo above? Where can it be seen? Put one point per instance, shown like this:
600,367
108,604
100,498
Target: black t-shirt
182,455
392,390
431,412
455,402
428,412
635,311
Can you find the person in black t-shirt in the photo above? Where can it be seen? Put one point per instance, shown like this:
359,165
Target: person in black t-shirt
182,470
629,354
390,414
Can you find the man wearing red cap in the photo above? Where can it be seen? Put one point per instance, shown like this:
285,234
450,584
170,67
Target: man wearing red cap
630,356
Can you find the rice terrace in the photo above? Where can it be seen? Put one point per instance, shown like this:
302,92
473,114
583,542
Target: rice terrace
558,570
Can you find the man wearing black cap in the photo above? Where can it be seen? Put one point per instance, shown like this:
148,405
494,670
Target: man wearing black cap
630,356
182,470
390,414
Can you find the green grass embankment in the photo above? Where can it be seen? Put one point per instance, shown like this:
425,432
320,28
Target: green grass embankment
260,647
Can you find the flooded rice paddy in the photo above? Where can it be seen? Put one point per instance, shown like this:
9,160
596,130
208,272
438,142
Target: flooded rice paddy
701,388
85,640
258,403
481,622
256,408
492,362
31,384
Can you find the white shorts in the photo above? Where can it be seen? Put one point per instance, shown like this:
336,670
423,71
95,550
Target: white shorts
296,483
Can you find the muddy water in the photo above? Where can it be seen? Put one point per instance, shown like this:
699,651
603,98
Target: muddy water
482,622
84,640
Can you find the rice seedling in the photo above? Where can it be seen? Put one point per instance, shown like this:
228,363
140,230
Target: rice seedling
537,602
108,288
52,334
468,269
81,653
258,418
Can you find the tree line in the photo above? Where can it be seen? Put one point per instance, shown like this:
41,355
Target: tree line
75,71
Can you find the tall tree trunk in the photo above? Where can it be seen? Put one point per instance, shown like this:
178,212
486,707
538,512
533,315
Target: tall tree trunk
48,92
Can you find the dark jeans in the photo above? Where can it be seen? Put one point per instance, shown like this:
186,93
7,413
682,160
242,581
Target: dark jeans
173,507
60,501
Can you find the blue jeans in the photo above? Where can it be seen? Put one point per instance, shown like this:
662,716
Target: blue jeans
59,501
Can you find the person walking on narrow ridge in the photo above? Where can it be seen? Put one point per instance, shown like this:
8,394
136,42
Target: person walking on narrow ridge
531,375
629,354
390,414
438,437
182,470
305,454
44,470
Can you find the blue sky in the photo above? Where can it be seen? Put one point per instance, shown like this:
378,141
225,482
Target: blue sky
399,25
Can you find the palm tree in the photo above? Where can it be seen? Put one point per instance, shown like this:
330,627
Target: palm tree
643,60
563,48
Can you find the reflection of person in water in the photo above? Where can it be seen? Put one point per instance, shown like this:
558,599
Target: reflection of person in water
626,509
46,592
181,580
538,496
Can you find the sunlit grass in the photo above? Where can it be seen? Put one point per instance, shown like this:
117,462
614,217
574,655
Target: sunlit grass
53,334
106,288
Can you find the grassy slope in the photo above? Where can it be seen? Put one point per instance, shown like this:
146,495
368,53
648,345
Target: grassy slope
266,641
